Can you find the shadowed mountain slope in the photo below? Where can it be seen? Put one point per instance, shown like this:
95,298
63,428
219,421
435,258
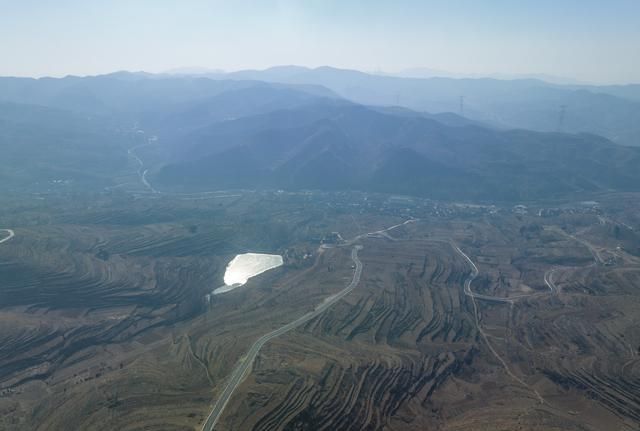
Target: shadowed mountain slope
350,146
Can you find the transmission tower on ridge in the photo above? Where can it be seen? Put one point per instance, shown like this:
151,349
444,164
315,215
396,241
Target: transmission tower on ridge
563,108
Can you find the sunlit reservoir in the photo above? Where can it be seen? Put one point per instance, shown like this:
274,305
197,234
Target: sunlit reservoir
247,265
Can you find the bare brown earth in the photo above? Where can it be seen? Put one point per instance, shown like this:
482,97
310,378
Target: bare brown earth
104,325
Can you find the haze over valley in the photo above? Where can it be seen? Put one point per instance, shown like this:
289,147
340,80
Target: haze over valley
314,132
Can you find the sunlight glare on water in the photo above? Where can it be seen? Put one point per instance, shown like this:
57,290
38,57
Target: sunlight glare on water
244,266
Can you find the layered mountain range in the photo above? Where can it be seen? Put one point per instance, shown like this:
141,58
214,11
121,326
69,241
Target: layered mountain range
328,129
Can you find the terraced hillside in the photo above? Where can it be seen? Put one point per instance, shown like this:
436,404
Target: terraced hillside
104,322
379,354
99,305
404,352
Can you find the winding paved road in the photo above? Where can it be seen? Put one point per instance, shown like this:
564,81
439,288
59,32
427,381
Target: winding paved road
11,235
548,280
245,365
467,291
474,274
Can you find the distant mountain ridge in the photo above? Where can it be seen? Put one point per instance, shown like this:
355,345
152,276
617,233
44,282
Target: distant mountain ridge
610,111
127,93
238,132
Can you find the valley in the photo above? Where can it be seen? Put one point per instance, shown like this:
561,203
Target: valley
459,311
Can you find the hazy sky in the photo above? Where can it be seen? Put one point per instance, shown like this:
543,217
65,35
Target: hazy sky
590,40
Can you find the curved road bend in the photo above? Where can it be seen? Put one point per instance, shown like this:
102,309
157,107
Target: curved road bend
245,365
548,280
474,274
467,291
11,235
